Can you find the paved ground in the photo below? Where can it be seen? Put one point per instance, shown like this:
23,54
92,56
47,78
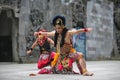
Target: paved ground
103,70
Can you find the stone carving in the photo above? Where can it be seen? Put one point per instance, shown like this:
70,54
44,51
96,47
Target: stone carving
117,23
117,20
118,42
36,18
78,8
117,14
10,2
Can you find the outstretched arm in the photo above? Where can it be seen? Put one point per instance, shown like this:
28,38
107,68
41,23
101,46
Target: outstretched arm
44,33
72,32
32,47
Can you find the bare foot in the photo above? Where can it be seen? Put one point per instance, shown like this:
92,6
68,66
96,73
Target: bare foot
87,74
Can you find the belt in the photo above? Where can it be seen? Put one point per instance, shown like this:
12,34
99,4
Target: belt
45,52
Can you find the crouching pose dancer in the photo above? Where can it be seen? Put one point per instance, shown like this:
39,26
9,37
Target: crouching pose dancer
46,55
65,55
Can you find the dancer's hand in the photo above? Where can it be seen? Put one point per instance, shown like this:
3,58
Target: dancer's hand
89,29
35,33
29,52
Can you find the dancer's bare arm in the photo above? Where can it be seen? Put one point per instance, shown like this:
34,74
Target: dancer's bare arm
72,32
44,33
32,47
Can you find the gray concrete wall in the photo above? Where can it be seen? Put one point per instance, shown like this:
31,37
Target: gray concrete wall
116,43
99,43
97,14
99,17
41,15
23,27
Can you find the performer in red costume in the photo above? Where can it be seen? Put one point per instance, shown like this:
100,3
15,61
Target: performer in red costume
64,54
46,55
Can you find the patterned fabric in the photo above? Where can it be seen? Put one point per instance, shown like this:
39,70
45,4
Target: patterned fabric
45,59
65,49
65,61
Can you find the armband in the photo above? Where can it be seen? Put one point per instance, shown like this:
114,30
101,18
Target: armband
85,30
39,33
31,49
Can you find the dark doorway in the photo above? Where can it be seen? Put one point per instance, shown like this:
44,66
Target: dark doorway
5,37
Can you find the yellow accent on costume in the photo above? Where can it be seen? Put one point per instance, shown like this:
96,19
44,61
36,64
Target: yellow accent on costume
57,52
55,59
72,50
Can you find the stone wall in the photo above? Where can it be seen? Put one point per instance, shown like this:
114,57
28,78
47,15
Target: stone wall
11,7
40,16
35,14
99,17
79,12
116,49
41,13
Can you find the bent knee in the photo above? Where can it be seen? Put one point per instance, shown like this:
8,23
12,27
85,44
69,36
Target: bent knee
81,55
53,55
39,66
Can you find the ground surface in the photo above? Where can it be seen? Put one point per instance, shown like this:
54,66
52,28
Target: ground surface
103,70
